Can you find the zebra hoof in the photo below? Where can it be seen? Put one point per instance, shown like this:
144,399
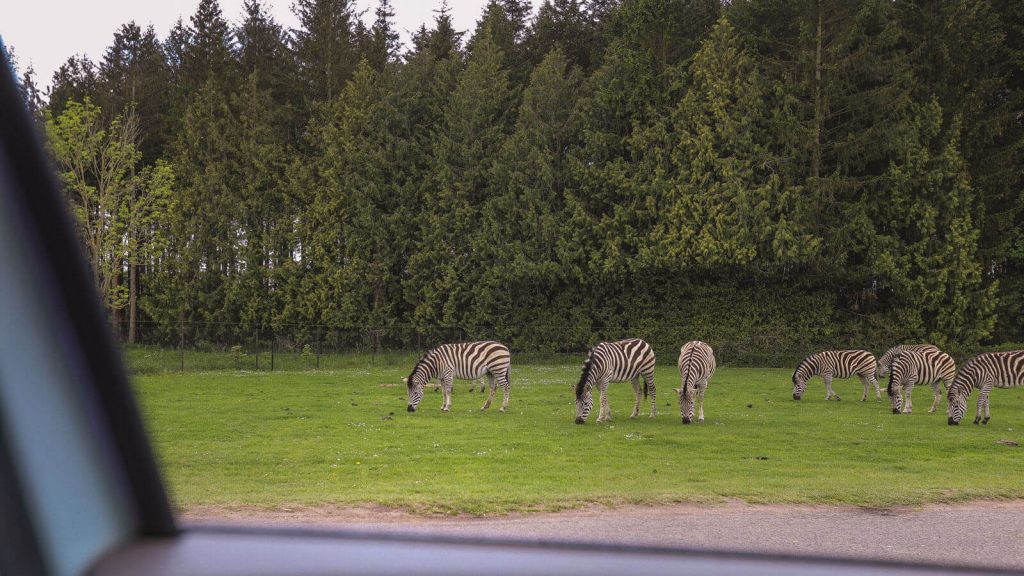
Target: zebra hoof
580,420
985,421
978,419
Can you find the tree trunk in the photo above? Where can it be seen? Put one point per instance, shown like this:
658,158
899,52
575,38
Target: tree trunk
818,112
133,288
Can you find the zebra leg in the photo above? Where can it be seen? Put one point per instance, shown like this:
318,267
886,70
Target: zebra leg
490,394
986,391
652,392
505,388
605,413
908,393
982,398
446,390
938,397
878,391
639,395
829,393
700,400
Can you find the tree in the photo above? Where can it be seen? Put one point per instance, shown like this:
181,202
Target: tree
382,44
325,46
121,215
465,149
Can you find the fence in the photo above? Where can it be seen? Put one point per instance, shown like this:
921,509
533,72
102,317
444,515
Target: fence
318,347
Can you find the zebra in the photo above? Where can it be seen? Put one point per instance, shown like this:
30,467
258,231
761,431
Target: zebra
886,359
838,364
616,362
696,366
918,366
466,361
998,369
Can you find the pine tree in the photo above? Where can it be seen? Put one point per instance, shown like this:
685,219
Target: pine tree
325,46
383,43
465,150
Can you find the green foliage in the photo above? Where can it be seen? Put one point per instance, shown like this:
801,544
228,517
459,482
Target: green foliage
760,173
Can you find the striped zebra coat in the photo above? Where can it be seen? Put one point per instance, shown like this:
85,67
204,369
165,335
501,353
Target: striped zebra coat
465,361
885,360
836,364
918,366
696,366
616,362
984,371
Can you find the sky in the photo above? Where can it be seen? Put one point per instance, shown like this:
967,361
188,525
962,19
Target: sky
44,33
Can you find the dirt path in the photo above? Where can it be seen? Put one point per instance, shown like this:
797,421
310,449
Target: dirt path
979,534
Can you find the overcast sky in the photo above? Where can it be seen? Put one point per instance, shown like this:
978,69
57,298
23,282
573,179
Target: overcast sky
44,33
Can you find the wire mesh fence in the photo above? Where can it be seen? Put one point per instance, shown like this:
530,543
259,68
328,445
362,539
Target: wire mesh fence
195,346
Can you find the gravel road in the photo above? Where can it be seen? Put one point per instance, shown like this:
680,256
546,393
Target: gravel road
980,534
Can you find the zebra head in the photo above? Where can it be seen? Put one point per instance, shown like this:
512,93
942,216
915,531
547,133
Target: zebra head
584,397
895,391
686,395
415,382
957,397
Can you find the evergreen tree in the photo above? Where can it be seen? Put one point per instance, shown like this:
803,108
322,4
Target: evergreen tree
325,46
134,76
383,44
75,80
465,150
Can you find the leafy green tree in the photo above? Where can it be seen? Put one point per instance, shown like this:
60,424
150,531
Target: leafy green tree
121,214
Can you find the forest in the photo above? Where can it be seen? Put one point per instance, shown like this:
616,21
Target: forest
785,174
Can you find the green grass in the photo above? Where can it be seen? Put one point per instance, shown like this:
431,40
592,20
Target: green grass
313,438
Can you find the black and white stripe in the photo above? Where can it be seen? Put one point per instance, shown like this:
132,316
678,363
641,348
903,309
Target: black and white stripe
465,361
984,371
885,360
836,364
616,362
918,366
696,366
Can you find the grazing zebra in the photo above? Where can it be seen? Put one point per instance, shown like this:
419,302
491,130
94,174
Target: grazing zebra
466,361
998,369
838,364
924,366
886,360
696,366
616,362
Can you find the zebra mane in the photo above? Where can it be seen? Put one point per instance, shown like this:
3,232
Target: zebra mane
420,363
689,368
803,364
588,365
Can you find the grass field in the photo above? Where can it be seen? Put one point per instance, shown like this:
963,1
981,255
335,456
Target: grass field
344,437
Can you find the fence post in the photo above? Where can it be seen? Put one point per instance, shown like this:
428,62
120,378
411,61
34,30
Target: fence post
317,346
257,348
273,341
181,342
